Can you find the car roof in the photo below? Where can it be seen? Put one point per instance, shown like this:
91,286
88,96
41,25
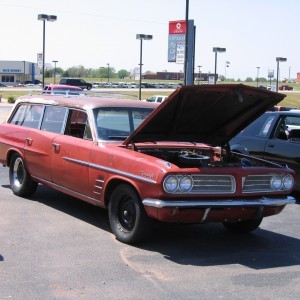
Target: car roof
285,112
84,102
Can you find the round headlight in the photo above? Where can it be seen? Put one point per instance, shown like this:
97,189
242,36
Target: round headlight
186,183
171,184
288,182
276,182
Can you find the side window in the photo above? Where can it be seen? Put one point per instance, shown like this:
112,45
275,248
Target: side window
290,129
159,99
266,126
78,125
28,116
54,119
118,123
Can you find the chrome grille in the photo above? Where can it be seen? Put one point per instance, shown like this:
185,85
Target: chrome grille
213,184
257,183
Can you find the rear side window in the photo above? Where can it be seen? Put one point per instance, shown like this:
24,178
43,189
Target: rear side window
265,129
28,116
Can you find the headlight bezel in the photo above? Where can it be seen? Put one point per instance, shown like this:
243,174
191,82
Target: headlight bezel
285,179
181,184
276,183
166,183
178,184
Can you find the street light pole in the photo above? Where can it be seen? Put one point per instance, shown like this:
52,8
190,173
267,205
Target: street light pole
101,73
216,50
142,37
44,18
54,74
199,75
257,76
279,59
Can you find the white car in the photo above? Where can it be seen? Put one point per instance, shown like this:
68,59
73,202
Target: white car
157,98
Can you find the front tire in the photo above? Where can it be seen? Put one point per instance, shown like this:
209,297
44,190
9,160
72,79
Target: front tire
127,217
20,181
243,226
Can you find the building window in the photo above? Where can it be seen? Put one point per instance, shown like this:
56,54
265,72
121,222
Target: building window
7,78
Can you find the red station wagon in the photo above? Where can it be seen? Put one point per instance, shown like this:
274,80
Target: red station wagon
145,162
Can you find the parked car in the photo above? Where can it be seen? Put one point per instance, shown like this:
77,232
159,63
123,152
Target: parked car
274,136
285,88
144,162
60,89
34,82
2,85
76,82
157,98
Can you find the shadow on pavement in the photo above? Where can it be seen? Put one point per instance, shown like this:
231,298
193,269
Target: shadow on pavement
198,245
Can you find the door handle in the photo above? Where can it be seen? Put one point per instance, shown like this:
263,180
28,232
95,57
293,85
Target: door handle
271,145
29,141
56,147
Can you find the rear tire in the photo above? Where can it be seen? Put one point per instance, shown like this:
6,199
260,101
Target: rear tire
20,181
243,226
127,216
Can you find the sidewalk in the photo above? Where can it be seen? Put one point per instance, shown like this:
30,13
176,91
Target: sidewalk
5,109
4,102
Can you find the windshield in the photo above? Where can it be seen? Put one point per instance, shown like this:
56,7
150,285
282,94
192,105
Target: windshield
118,123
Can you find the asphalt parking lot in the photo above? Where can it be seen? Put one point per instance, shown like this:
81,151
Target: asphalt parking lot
53,246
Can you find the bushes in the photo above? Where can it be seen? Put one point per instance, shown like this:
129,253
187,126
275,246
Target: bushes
11,100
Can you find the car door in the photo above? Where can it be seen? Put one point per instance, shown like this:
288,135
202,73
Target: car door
39,142
71,155
284,149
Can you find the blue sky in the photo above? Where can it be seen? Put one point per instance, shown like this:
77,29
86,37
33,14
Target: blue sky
93,33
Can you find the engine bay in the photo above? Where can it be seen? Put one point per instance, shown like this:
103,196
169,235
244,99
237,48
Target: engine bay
200,157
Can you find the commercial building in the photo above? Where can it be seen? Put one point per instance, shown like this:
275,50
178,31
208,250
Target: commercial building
15,72
176,76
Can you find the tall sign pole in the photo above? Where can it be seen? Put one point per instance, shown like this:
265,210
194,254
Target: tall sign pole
186,41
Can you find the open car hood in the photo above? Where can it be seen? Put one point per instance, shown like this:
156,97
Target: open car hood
210,114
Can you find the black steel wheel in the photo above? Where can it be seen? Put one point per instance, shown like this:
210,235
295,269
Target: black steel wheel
128,219
20,181
243,226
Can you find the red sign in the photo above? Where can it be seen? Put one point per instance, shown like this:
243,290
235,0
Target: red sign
177,27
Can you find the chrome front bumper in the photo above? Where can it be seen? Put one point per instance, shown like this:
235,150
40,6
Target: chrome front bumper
262,201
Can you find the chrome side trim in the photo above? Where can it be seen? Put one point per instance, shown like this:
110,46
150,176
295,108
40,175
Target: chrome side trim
50,183
263,201
111,170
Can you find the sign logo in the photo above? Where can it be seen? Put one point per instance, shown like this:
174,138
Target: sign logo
177,27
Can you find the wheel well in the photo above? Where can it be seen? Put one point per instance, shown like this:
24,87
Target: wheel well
9,156
111,186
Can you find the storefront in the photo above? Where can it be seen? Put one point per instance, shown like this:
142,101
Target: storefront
16,72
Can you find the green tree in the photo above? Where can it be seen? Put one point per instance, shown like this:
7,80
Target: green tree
249,79
123,73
